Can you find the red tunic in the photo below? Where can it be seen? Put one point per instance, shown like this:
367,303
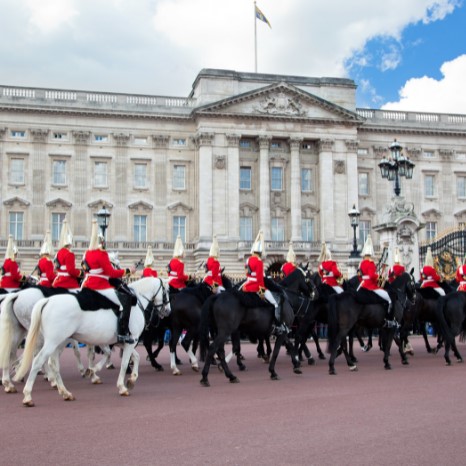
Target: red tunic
395,271
329,273
11,275
370,276
461,277
213,272
149,272
430,277
287,268
46,271
100,270
176,277
67,273
254,275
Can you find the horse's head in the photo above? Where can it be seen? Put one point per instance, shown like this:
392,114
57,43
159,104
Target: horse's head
155,292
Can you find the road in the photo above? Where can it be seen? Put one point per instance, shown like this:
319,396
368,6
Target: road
411,415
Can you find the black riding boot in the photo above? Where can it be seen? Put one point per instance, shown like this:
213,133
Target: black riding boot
123,320
390,321
280,326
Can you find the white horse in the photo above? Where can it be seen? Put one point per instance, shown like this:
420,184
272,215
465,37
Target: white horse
15,319
60,317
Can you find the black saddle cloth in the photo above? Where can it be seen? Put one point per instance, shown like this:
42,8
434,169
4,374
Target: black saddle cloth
364,296
248,299
48,291
3,291
325,291
428,293
90,300
200,292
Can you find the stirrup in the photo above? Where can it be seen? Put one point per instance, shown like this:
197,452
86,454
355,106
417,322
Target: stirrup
125,339
391,324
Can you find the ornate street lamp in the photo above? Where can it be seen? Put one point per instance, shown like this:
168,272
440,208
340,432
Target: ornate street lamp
397,165
354,219
103,216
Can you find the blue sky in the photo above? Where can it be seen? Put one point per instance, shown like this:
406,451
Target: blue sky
402,54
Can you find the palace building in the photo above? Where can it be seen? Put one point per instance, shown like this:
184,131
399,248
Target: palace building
289,155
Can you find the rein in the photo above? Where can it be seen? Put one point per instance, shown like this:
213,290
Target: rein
159,308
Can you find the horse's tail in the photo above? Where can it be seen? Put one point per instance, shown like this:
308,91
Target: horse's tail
6,329
442,322
332,322
206,315
31,339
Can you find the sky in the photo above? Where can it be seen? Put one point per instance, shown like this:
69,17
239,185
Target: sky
402,54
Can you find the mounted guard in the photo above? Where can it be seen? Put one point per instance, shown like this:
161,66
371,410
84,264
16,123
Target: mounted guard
45,265
213,270
176,277
397,269
149,270
12,278
290,265
328,269
430,277
461,276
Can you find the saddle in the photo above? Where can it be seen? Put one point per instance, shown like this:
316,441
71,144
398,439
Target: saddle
48,291
428,293
364,296
201,292
90,300
3,291
325,291
248,299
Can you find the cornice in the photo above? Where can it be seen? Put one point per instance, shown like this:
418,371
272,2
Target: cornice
412,131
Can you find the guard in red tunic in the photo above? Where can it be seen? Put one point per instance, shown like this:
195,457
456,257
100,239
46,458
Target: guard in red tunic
430,277
12,278
328,269
99,272
176,277
397,269
149,271
461,277
65,263
213,270
370,279
290,265
45,265
255,280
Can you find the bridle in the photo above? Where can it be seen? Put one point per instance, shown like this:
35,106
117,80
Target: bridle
160,309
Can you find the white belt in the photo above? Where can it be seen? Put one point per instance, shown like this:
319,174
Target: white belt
209,273
105,277
93,271
174,274
366,277
329,274
62,267
8,274
252,279
63,274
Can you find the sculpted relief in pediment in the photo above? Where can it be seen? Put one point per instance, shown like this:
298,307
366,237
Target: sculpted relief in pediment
280,104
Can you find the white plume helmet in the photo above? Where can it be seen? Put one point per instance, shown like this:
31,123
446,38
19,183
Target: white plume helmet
368,249
291,255
94,242
149,260
47,248
178,250
396,256
258,245
214,248
11,248
325,254
66,238
429,258
114,260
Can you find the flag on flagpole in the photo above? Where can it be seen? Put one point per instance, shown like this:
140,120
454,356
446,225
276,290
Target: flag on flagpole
262,17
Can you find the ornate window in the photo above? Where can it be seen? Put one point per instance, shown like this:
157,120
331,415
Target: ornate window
140,228
306,180
59,172
245,178
429,185
179,227
179,177
100,174
57,222
307,229
17,170
16,227
245,228
140,175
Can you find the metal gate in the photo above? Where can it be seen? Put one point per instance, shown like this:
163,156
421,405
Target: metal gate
448,251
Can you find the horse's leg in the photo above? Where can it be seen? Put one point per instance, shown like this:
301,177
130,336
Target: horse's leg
351,355
217,347
424,335
147,342
107,351
315,337
368,345
77,355
54,364
236,349
386,336
6,378
135,358
276,350
125,357
175,335
187,345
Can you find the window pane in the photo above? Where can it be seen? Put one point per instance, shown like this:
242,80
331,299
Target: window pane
179,228
461,186
278,229
140,227
59,172
100,174
245,178
431,230
140,178
179,177
363,184
16,225
307,229
364,230
306,185
17,171
277,179
57,222
429,185
245,228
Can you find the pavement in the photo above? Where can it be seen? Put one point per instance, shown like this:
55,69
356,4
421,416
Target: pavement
412,415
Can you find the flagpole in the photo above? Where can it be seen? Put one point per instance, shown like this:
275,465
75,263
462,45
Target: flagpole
255,39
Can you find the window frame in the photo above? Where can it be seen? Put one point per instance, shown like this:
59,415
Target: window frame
55,162
310,183
136,175
307,229
246,228
275,179
16,224
432,177
140,228
56,221
277,229
176,178
105,164
242,181
367,191
179,227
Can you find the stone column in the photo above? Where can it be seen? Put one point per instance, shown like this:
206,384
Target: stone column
295,144
233,186
39,164
326,201
161,173
82,182
264,186
119,221
3,162
205,141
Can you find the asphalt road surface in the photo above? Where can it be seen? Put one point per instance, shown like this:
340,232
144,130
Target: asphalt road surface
411,415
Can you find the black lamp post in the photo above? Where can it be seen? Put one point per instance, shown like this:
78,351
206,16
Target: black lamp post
397,165
103,216
354,218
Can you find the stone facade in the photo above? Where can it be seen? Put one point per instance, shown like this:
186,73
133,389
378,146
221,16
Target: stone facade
243,151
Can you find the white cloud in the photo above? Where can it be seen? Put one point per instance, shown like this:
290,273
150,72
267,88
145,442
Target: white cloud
49,15
426,94
390,59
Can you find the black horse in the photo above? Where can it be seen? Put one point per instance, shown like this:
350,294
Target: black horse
451,317
346,311
228,314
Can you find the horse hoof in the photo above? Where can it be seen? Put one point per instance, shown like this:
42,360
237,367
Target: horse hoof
274,377
353,368
11,390
159,369
459,360
28,404
195,368
124,393
405,362
297,370
205,383
130,384
448,363
311,362
322,356
234,380
69,397
110,366
97,381
88,373
332,372
242,368
387,367
176,372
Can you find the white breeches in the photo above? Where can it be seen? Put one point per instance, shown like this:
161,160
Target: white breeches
384,295
269,297
110,294
440,291
338,289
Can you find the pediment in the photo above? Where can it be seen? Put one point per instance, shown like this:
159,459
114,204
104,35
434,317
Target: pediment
431,213
179,206
282,101
58,202
99,203
141,205
12,201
